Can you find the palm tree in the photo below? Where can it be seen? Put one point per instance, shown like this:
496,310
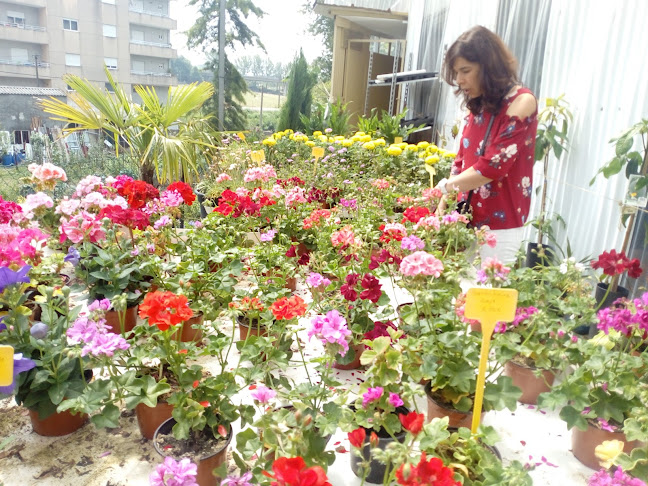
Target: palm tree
165,137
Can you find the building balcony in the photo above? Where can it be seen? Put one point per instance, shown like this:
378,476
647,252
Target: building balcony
32,34
145,17
152,49
24,69
153,78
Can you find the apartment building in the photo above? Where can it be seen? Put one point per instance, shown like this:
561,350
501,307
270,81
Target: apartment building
41,40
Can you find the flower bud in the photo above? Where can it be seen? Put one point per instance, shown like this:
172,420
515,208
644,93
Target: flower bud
308,420
407,471
298,415
39,330
373,439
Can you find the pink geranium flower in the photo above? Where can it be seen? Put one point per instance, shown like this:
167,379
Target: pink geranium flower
371,395
263,394
421,263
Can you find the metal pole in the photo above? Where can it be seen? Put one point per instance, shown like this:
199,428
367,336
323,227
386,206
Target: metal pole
261,110
36,64
221,66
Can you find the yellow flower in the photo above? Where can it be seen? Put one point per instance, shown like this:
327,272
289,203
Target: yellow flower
269,142
347,142
310,143
411,147
317,133
292,136
241,135
365,138
451,155
380,141
432,159
339,137
432,149
369,145
401,145
394,150
323,138
423,144
607,452
360,134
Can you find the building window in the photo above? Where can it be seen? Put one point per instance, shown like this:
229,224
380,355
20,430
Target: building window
111,62
20,55
112,2
69,88
109,87
72,60
69,24
21,137
17,18
110,30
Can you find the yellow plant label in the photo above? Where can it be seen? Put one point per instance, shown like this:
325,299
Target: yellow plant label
6,365
489,306
318,152
398,140
432,173
258,156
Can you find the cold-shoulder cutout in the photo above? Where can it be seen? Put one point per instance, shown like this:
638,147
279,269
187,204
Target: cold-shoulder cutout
523,106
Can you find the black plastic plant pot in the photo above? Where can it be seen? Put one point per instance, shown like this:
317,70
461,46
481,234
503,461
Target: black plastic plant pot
376,472
539,255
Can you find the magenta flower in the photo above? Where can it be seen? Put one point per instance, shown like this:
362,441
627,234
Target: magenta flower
244,480
604,425
268,235
412,243
331,329
100,305
395,400
164,221
104,344
619,478
421,263
174,473
263,394
371,395
316,280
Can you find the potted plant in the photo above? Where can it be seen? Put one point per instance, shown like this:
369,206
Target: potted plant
551,137
58,374
598,398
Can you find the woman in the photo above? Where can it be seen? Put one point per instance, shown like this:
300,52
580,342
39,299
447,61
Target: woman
499,170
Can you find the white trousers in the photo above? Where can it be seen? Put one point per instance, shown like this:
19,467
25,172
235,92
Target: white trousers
508,244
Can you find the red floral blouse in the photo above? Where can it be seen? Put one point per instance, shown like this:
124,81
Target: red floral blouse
504,202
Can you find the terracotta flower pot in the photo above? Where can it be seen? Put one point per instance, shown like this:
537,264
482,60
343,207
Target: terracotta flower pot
250,327
57,424
531,385
113,319
206,464
150,418
456,418
585,442
358,349
187,333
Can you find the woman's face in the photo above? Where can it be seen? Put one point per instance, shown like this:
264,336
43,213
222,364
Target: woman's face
466,75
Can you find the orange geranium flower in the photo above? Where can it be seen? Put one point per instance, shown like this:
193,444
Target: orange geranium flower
288,308
165,309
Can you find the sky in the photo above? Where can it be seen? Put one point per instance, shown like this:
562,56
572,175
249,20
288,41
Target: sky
281,30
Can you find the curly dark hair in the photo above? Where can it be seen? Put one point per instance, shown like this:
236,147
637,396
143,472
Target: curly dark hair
497,67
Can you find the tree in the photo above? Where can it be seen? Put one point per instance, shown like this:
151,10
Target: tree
186,72
299,97
323,28
204,34
166,138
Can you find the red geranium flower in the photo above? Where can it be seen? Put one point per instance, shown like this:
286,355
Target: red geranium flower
372,288
357,437
184,190
413,422
292,471
613,263
131,218
426,473
414,213
634,270
165,309
138,193
288,308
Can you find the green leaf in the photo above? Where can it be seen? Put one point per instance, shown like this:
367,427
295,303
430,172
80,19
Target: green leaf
108,418
613,167
502,394
623,145
573,417
56,392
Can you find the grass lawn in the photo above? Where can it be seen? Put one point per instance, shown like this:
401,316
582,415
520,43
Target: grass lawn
253,99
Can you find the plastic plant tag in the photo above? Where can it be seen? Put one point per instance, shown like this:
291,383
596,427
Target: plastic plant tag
637,194
258,156
432,173
318,152
6,365
488,306
398,140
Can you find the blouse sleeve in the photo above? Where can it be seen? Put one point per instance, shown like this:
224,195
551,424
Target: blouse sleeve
504,150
